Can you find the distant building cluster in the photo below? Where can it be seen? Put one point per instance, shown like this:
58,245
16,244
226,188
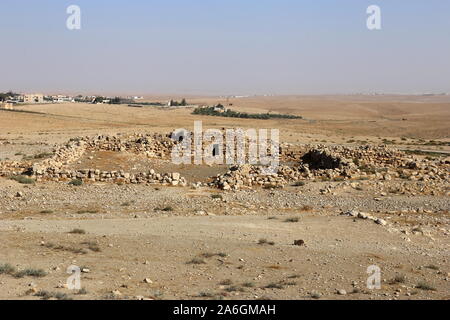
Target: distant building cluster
13,98
32,98
9,99
220,108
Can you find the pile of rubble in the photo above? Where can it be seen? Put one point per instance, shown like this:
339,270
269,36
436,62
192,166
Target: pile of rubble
246,176
62,157
326,159
364,216
154,146
57,168
13,168
298,163
338,163
120,177
376,155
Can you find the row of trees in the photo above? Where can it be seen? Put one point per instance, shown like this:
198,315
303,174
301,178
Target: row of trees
153,104
211,111
120,100
183,103
101,99
5,96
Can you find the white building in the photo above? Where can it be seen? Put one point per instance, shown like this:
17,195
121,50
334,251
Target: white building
33,98
6,105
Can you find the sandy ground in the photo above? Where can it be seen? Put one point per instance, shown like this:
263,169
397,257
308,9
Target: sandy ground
128,238
336,256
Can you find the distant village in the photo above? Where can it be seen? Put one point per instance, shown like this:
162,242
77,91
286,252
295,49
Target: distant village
10,99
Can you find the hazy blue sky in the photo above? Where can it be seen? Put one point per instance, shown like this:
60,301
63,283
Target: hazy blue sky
225,47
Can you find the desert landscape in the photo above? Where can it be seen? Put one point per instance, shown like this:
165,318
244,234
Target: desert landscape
363,181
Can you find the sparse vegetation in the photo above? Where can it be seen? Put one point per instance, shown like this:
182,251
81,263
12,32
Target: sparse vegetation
271,187
165,209
226,282
22,179
265,241
274,285
425,286
306,208
211,254
7,268
76,182
293,219
30,272
196,261
288,283
94,247
234,289
204,294
42,155
211,111
417,229
82,291
432,267
400,278
75,250
46,295
207,255
77,231
248,284
92,211
430,154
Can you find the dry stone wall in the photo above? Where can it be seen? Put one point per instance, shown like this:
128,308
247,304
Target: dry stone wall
298,163
57,168
339,163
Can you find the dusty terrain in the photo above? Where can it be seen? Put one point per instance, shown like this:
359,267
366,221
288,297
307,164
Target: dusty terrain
143,241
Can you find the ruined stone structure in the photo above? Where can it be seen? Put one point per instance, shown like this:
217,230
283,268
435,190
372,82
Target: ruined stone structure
298,163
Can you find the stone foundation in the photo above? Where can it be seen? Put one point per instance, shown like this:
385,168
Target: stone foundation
306,162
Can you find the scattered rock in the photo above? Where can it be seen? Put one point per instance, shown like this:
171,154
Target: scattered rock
116,293
299,242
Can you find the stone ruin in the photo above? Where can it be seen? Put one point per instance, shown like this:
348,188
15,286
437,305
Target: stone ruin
323,159
336,163
297,163
57,168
